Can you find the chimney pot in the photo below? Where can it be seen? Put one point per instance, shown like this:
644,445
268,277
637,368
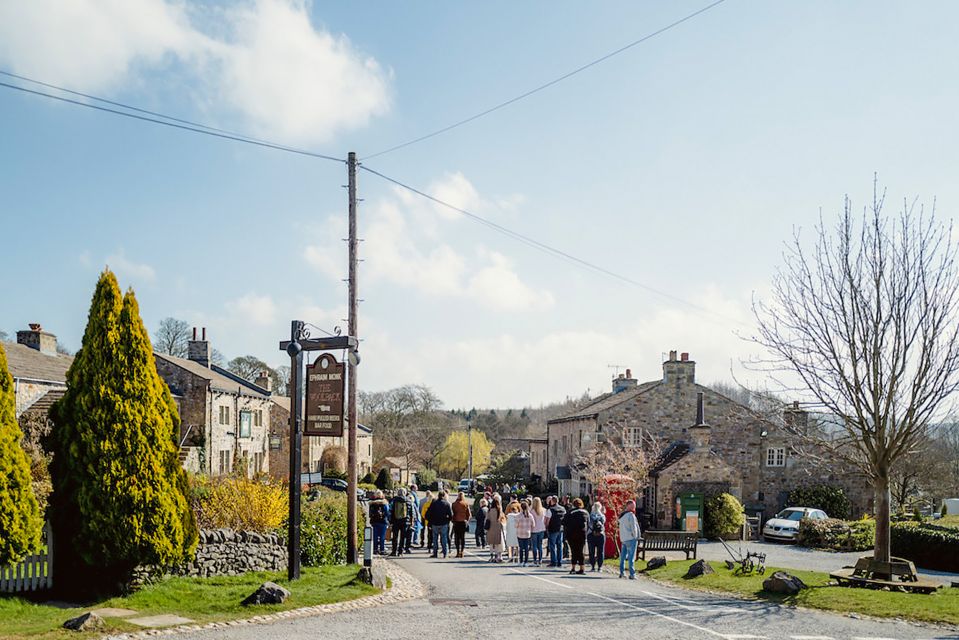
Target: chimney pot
629,374
204,333
35,326
672,356
684,357
194,333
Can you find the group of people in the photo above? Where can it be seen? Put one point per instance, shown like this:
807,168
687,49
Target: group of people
514,533
407,519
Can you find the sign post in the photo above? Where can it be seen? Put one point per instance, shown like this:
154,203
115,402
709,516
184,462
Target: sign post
324,409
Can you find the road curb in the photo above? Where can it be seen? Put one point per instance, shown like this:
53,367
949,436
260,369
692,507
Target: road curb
403,587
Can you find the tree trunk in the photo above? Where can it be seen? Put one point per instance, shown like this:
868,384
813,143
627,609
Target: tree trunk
881,552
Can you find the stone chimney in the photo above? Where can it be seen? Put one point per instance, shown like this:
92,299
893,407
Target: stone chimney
795,418
199,350
36,338
264,381
679,370
623,382
699,433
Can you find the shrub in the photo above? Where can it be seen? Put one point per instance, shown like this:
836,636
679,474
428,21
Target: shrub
384,480
367,486
927,545
425,477
20,518
239,503
830,499
368,479
118,498
723,517
837,535
323,530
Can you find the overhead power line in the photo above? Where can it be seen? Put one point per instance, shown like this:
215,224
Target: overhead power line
553,251
168,121
546,85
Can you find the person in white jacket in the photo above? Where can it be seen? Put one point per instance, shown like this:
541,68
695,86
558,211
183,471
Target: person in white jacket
629,537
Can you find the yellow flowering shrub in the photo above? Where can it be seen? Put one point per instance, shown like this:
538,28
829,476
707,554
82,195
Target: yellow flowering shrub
239,503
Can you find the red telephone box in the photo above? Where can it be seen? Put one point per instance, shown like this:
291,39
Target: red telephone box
618,490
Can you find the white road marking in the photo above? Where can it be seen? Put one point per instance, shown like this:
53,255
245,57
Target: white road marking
871,638
695,607
526,573
742,636
660,615
812,637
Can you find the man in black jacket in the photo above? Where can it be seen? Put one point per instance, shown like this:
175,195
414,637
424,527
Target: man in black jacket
439,515
554,531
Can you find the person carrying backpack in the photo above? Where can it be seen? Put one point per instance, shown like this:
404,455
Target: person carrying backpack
400,521
379,520
554,532
596,537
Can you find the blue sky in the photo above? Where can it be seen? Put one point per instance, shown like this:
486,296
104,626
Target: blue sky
683,163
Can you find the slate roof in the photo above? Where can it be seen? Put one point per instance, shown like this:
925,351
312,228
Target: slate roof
670,456
220,379
27,363
606,401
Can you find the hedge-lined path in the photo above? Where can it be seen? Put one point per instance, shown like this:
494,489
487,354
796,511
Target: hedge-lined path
471,598
790,556
404,586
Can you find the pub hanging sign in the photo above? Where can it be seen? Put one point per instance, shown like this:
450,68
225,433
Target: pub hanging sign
325,384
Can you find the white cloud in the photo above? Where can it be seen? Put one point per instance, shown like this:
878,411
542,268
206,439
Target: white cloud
126,269
403,246
263,60
256,309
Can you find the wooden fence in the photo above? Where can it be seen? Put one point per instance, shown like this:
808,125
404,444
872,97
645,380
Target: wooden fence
33,573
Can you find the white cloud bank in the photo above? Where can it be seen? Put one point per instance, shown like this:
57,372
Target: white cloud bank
263,60
402,247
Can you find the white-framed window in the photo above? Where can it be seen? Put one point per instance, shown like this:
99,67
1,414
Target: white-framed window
224,415
225,461
776,457
634,437
246,420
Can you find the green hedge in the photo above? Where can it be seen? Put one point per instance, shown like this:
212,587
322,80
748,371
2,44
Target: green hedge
929,546
837,535
830,499
323,530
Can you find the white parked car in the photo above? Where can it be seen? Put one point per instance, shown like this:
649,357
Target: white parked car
785,525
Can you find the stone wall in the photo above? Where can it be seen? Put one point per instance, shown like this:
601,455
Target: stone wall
224,552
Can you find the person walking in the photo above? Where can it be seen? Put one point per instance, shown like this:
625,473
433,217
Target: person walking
574,530
495,524
461,522
538,513
629,534
379,520
554,531
524,532
480,515
400,521
416,521
596,537
426,535
512,541
439,516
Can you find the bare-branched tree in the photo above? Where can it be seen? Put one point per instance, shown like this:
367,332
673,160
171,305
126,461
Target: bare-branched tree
867,321
171,337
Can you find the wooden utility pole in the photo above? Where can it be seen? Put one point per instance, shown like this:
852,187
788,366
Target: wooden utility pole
351,479
296,452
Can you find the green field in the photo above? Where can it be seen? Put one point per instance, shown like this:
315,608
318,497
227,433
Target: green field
942,606
200,599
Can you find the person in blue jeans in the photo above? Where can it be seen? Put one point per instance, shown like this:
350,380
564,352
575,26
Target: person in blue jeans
379,520
439,515
629,537
554,531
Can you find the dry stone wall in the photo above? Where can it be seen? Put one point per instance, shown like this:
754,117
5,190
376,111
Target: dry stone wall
224,552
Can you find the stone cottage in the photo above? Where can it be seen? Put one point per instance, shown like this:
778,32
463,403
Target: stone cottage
736,452
313,446
224,418
39,371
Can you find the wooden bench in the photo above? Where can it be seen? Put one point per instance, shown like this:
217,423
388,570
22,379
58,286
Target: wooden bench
684,541
896,575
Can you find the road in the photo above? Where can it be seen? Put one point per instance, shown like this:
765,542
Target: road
470,598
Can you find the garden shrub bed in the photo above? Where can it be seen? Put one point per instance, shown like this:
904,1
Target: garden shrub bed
837,535
928,545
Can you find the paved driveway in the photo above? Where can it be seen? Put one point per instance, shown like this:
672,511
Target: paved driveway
470,598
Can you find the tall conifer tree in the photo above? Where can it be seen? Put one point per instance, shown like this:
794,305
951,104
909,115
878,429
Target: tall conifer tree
20,520
118,485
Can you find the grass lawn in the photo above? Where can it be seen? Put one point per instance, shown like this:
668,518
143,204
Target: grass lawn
942,606
946,521
200,599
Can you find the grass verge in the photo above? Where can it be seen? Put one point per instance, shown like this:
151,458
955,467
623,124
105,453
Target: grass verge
942,606
200,599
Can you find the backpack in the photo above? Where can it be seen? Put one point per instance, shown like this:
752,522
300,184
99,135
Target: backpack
399,510
377,513
598,526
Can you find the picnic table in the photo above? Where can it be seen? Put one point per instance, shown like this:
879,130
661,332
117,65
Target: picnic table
896,575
